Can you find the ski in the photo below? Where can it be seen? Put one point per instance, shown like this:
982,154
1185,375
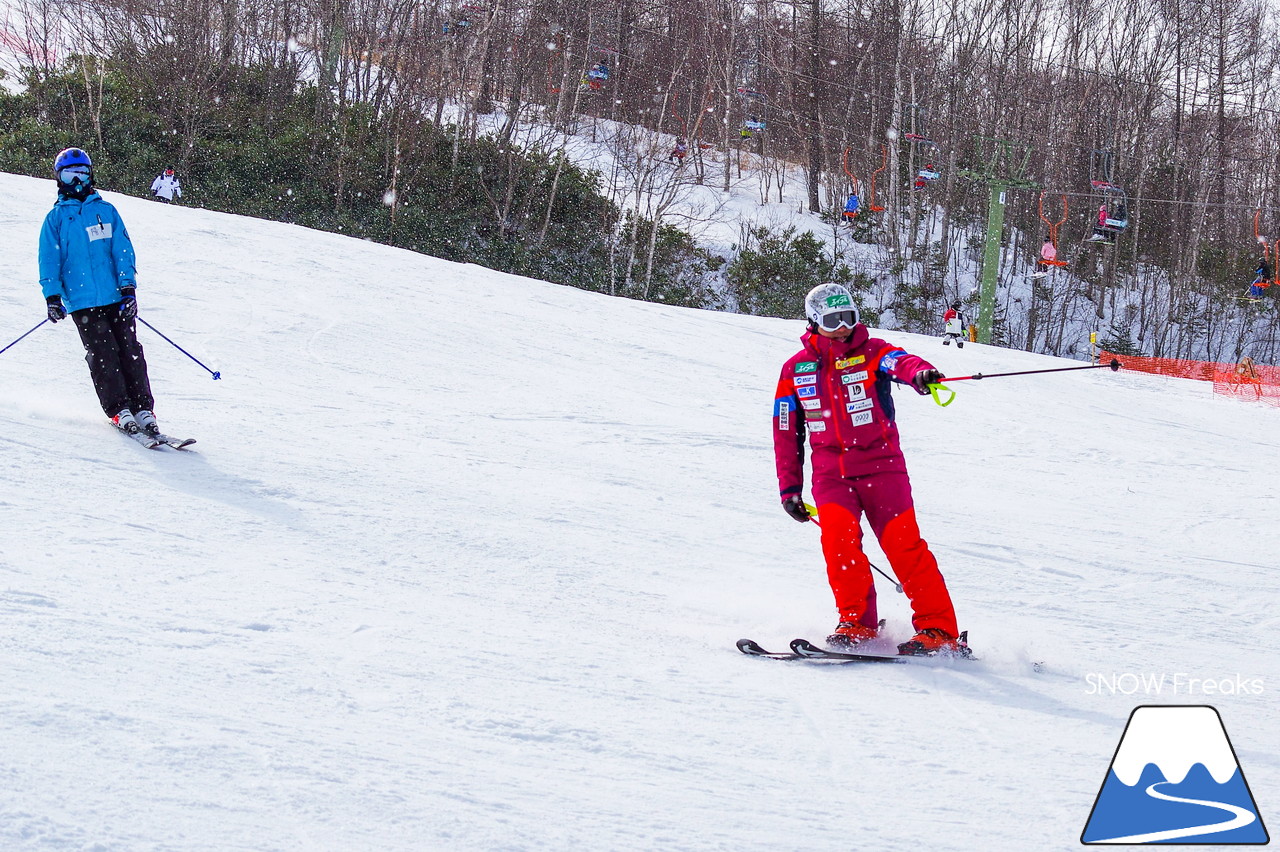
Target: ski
806,650
752,649
803,650
176,443
142,438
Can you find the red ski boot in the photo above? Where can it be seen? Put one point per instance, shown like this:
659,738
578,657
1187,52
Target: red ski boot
932,641
850,632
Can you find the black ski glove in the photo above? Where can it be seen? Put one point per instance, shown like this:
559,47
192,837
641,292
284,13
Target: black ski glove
921,380
794,506
128,304
56,311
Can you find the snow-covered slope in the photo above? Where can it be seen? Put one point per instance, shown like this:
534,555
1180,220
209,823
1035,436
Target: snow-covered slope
462,557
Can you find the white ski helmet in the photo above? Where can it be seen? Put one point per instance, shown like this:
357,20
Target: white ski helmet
831,306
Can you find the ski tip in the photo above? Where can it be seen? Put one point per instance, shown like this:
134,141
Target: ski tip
805,648
750,646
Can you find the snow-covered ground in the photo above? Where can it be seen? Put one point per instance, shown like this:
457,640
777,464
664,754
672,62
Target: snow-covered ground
461,558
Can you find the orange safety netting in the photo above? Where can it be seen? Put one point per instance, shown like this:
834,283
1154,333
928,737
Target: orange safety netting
1245,380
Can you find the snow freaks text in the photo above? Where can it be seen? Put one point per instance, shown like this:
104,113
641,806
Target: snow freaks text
1162,683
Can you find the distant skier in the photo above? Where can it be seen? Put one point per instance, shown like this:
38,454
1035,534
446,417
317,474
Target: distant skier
596,76
1261,279
926,177
680,151
166,186
954,325
1100,233
87,270
1049,253
837,389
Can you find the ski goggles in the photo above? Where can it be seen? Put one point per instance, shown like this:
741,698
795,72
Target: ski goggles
839,319
74,174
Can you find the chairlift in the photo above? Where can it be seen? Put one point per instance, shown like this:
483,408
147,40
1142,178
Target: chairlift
1049,251
1113,204
927,150
884,163
1264,275
851,206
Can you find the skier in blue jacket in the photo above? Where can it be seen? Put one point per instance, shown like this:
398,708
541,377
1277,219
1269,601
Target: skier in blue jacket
87,271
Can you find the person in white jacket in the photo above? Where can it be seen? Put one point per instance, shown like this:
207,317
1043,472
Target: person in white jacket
166,186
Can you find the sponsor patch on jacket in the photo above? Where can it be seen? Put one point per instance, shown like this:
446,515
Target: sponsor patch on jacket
811,379
857,391
101,231
806,367
860,405
862,418
783,409
818,426
890,362
807,391
851,378
809,404
851,362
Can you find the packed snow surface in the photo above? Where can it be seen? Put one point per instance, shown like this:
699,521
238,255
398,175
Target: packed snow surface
460,558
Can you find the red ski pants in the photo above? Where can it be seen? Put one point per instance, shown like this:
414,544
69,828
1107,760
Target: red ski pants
885,498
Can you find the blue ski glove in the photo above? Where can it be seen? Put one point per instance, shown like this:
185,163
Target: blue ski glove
128,304
56,311
794,506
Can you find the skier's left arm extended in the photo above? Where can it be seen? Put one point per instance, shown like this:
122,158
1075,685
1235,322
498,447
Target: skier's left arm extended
902,366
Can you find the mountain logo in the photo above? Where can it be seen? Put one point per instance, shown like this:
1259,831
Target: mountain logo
1175,779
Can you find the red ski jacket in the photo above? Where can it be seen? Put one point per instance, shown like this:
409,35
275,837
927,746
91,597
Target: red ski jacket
839,393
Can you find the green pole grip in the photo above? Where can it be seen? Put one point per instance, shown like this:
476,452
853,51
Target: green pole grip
935,391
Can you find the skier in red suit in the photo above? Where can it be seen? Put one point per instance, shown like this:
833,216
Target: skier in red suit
837,390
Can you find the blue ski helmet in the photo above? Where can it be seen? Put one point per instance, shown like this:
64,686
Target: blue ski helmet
71,157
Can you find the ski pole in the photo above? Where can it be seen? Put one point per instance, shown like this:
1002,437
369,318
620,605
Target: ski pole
1113,365
216,375
15,343
813,516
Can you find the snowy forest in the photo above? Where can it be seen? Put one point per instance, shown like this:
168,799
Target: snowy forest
345,110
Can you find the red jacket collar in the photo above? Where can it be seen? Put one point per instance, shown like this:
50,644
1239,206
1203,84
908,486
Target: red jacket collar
823,348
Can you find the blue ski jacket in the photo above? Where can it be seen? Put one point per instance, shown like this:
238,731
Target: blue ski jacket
85,253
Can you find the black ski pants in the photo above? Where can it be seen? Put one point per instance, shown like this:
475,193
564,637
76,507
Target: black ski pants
115,359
